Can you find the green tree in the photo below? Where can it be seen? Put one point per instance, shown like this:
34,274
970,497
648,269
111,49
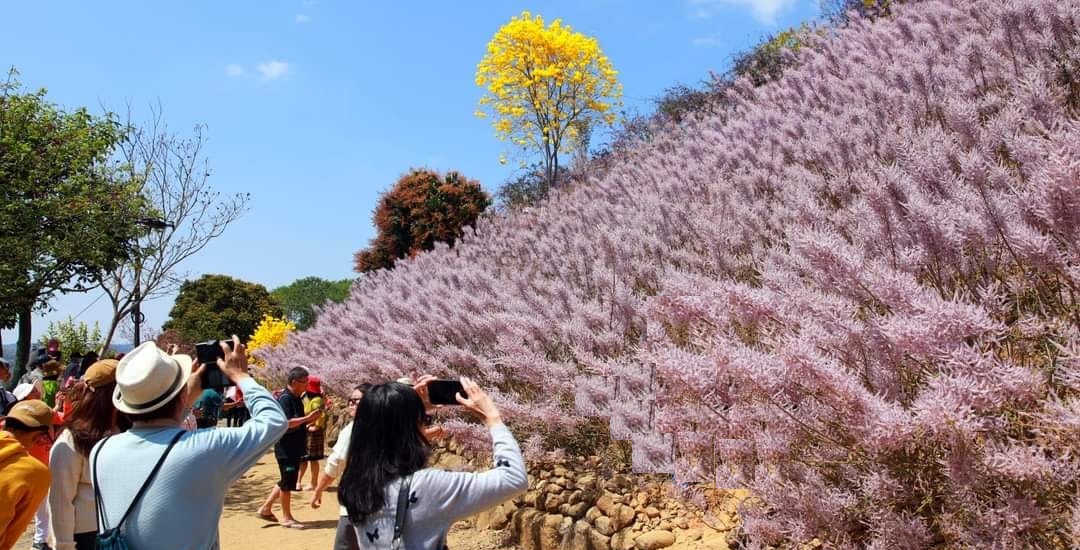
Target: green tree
218,306
524,189
767,61
422,208
74,337
65,215
299,298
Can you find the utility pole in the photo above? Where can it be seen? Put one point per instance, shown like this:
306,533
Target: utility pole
137,317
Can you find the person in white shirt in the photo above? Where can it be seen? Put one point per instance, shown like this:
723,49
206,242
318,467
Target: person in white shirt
71,493
345,538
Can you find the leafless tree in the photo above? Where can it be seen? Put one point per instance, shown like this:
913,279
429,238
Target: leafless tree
173,174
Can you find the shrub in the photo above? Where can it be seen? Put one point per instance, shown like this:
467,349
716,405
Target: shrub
853,293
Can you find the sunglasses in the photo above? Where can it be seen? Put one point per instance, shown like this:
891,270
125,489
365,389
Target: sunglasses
354,401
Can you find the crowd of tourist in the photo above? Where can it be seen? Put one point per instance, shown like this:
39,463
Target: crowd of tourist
110,453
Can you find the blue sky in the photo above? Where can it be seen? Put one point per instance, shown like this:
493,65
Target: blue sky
315,107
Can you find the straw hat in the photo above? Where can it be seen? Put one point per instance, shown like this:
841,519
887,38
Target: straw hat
148,378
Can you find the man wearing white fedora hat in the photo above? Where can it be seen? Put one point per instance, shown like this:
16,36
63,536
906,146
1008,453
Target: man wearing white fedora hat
180,508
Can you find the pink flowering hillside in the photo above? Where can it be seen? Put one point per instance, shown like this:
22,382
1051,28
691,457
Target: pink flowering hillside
856,292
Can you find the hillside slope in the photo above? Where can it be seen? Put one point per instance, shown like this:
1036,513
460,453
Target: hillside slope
854,292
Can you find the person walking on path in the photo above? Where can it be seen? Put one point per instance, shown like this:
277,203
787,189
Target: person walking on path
71,494
290,448
386,488
208,408
180,508
24,478
345,538
316,431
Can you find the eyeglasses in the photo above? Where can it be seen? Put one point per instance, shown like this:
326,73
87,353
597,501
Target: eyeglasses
354,401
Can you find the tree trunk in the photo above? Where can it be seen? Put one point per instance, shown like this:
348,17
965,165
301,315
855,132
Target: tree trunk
109,335
22,351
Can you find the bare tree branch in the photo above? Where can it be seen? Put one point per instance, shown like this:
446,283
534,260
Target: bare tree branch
173,174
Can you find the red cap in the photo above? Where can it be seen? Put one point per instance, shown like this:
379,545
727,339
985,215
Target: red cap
314,385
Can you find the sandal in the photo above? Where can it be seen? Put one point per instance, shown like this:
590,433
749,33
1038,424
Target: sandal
292,524
267,517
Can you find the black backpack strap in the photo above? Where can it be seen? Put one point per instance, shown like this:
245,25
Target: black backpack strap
138,495
402,505
97,488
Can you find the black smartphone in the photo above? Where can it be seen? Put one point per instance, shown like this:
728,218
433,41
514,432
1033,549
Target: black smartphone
442,392
208,353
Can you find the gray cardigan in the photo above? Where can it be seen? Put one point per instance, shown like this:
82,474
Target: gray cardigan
439,498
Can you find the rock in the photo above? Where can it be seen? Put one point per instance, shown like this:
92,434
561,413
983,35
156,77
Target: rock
526,527
605,525
560,481
550,538
576,497
623,516
683,523
666,525
576,511
691,535
561,472
580,539
530,498
654,540
587,480
623,540
607,504
552,502
496,518
592,513
598,540
652,512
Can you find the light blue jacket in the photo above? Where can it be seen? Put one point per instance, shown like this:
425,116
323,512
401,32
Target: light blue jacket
182,507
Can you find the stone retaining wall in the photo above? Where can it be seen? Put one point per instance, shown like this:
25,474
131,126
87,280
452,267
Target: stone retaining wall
573,506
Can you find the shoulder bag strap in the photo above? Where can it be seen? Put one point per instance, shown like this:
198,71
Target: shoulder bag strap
402,505
97,488
145,485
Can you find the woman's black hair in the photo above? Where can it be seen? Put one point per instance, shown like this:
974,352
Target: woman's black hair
386,444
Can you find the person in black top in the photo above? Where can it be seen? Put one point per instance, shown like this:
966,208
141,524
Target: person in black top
290,448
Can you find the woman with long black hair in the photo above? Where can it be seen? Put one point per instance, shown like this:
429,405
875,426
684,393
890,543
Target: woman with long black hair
388,455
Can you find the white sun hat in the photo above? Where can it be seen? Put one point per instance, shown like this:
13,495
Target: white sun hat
148,378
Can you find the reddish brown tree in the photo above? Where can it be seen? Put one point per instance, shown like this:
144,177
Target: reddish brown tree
423,207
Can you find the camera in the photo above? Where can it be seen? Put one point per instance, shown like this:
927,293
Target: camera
443,392
208,353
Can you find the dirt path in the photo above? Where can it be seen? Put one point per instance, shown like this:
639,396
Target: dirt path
240,529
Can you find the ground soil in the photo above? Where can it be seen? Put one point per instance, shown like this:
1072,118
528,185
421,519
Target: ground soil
241,529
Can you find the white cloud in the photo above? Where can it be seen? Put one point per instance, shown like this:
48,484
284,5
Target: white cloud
764,11
303,18
273,69
235,70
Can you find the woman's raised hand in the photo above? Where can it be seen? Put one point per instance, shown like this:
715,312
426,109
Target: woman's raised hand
479,403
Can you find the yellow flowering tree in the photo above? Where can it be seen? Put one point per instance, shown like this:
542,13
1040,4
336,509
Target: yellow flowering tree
271,332
544,85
